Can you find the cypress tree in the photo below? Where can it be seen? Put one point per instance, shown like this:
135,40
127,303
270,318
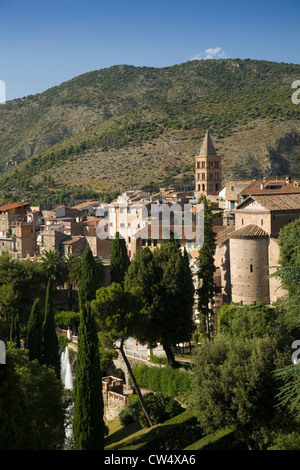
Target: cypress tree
34,338
87,285
119,260
206,270
88,424
15,330
51,356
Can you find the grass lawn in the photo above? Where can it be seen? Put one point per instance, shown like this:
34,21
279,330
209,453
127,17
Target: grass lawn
117,432
173,434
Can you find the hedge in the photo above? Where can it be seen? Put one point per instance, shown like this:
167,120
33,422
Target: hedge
171,382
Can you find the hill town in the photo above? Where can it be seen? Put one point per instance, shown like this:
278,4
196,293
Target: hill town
248,215
181,272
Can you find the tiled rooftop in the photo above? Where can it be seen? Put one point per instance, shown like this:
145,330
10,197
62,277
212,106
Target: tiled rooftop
250,231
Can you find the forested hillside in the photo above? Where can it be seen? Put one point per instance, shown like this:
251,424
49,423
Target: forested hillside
128,127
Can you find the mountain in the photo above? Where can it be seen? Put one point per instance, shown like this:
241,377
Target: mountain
129,127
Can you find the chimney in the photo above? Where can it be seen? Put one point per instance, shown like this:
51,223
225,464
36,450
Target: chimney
288,179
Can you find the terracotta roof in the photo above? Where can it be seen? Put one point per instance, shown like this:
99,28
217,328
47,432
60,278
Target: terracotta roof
83,205
280,201
250,231
271,187
74,239
223,235
13,205
276,202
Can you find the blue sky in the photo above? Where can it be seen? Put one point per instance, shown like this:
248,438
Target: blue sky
44,43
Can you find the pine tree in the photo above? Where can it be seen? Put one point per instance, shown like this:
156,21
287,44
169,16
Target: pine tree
34,338
119,260
165,282
174,317
51,356
206,270
88,424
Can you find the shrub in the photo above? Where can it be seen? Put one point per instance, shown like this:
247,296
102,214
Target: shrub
129,413
160,407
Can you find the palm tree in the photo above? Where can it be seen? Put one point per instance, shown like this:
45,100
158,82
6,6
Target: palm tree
54,266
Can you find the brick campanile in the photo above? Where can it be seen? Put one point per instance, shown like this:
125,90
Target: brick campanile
208,170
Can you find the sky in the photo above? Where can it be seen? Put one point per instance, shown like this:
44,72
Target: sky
44,43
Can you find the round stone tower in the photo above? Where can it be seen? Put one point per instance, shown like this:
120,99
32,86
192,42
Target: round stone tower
248,265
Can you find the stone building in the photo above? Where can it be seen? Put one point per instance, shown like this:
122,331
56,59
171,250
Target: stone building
208,170
248,253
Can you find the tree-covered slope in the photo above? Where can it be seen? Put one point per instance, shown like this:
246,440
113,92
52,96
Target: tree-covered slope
126,126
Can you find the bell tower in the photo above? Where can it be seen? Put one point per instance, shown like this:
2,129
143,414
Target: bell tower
208,170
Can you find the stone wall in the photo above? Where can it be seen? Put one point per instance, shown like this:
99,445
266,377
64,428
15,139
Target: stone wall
249,259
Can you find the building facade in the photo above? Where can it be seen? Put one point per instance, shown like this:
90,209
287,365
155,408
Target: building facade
208,170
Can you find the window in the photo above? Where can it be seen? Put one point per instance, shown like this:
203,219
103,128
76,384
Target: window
203,176
261,221
203,164
242,221
211,176
198,164
216,164
251,268
203,187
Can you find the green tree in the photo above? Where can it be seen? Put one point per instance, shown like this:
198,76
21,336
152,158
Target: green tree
34,339
88,424
289,270
74,271
165,281
207,288
118,315
289,274
173,322
54,266
119,260
31,405
15,330
233,385
89,277
50,349
20,283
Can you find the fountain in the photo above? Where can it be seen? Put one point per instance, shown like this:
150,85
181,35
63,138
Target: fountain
66,373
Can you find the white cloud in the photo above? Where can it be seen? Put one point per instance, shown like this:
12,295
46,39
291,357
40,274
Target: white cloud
211,53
